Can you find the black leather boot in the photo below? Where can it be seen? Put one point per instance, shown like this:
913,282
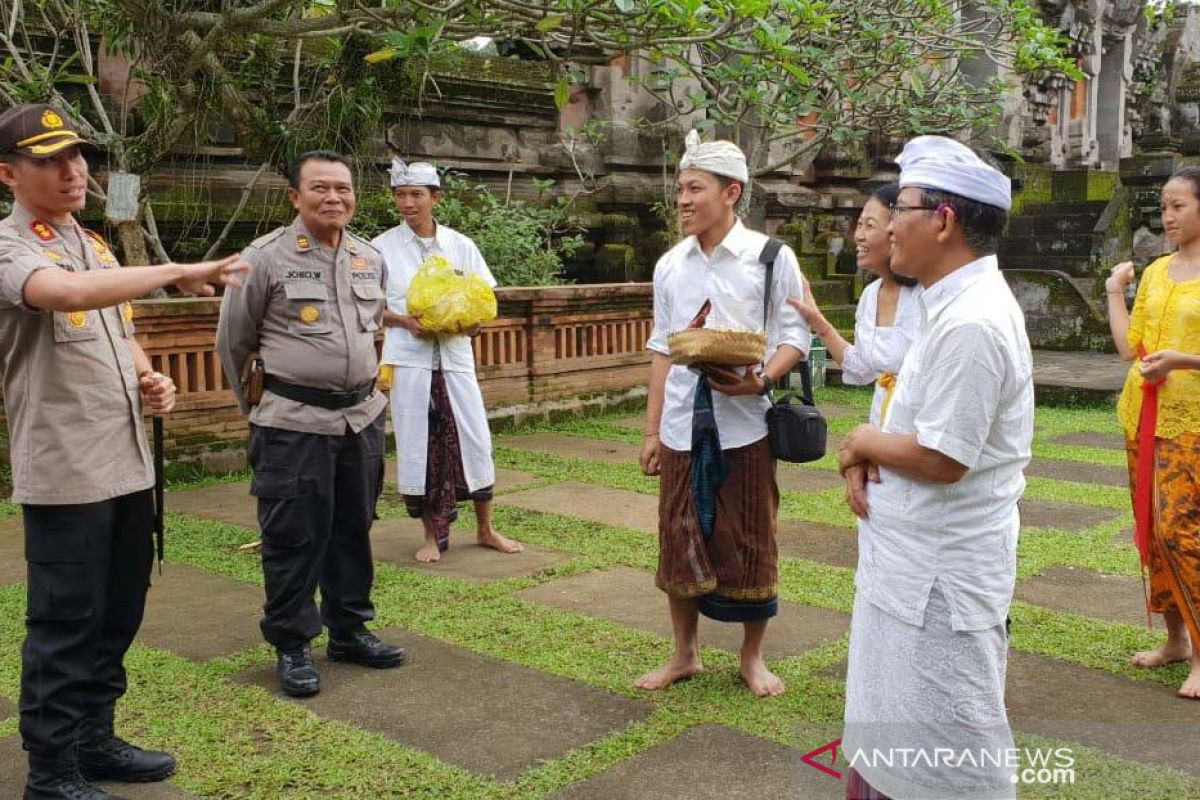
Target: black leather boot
57,778
298,676
104,756
363,647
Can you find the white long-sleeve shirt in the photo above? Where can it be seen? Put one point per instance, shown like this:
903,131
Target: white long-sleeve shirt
734,280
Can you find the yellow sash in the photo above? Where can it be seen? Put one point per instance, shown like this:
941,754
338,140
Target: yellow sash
888,381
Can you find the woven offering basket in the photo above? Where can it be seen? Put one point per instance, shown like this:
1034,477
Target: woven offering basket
719,346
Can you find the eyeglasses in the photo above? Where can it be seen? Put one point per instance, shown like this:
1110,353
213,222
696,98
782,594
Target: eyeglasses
898,209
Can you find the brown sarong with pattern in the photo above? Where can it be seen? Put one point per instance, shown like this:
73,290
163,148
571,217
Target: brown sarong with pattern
741,560
1174,575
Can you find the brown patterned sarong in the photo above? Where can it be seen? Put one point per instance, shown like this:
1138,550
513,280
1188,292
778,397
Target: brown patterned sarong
1175,574
740,561
445,482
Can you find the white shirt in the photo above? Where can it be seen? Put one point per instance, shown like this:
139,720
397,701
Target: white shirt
404,254
878,349
965,390
735,281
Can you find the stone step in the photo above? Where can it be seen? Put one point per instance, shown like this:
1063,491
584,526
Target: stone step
1078,266
1050,225
1089,207
832,292
1055,246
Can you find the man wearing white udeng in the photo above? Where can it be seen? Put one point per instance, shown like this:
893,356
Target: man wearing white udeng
925,716
442,437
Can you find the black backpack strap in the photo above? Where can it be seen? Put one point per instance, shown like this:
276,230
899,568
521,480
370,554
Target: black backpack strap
769,253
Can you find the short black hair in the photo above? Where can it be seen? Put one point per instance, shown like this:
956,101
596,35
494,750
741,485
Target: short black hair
982,223
887,194
1190,174
314,155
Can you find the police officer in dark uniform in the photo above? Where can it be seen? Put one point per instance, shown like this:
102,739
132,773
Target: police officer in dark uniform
311,309
75,385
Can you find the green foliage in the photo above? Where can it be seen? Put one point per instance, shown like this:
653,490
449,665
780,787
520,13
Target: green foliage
522,242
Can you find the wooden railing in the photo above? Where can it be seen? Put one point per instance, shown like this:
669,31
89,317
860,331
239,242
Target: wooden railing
548,345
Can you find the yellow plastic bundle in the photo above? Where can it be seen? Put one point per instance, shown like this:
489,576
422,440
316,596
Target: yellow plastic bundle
445,301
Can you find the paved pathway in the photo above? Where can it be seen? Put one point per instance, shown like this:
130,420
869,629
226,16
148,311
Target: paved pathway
499,720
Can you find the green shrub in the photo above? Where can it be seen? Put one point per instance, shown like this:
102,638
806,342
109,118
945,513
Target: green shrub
523,243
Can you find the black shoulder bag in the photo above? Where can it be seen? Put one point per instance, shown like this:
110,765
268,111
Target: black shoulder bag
796,431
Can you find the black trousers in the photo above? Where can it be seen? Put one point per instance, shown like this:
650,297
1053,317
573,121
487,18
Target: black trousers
88,571
316,502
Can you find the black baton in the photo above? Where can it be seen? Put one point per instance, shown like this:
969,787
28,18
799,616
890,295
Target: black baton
159,479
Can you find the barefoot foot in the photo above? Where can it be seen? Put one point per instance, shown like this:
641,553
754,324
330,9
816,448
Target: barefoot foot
1191,687
429,553
673,671
492,538
1161,656
761,680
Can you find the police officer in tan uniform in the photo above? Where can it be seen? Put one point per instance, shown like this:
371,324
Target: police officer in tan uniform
76,383
311,310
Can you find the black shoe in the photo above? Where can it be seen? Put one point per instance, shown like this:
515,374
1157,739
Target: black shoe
103,756
363,647
58,778
298,676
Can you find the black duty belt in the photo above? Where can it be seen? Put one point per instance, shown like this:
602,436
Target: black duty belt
323,398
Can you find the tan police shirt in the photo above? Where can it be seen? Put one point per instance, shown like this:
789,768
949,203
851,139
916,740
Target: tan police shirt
312,314
70,385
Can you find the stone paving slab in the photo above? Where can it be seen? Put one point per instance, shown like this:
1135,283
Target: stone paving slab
1106,441
1133,719
602,504
1117,598
1096,371
14,766
807,479
476,712
199,615
223,502
1061,470
12,550
710,761
1072,517
506,479
557,444
816,541
629,597
1138,720
396,541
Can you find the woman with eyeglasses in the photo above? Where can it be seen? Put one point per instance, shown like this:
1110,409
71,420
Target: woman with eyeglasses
887,316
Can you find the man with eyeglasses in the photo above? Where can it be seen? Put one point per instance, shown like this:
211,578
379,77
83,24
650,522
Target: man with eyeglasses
937,489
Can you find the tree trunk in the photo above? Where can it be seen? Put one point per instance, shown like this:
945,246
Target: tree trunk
133,244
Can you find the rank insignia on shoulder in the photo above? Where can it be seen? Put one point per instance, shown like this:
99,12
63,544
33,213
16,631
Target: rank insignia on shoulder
127,312
101,245
310,314
303,243
351,247
77,319
42,230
